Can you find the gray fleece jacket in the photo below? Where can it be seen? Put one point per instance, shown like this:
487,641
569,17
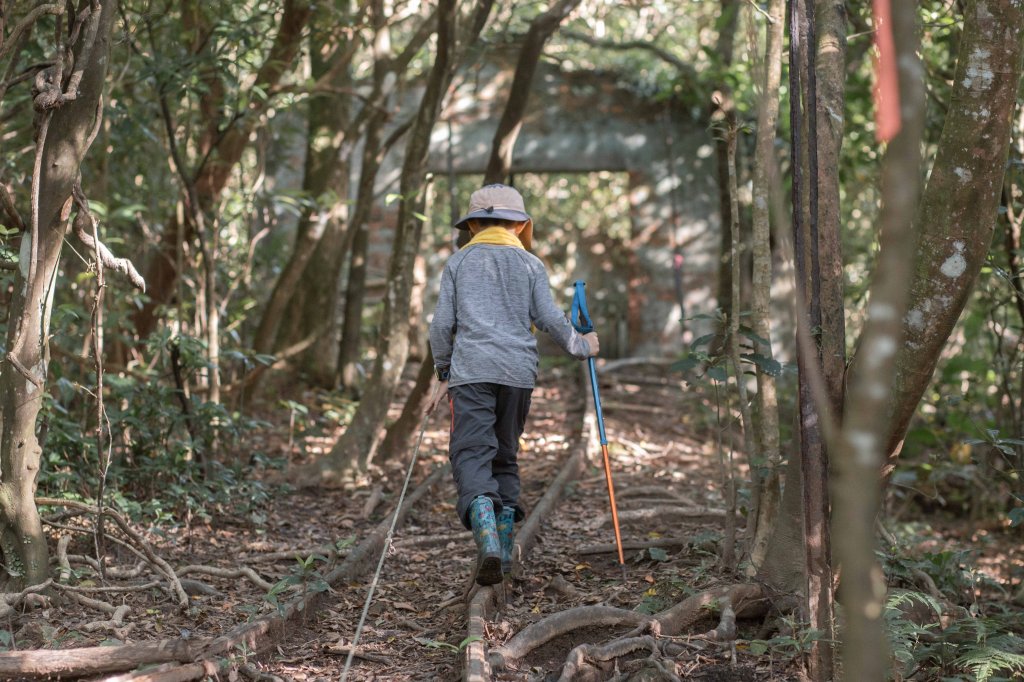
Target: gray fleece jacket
490,296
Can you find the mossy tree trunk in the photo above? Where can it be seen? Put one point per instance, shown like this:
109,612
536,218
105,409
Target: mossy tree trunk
952,232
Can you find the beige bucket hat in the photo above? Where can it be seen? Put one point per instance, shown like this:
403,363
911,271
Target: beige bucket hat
499,202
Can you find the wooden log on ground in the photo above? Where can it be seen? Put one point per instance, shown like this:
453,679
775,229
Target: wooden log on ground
66,663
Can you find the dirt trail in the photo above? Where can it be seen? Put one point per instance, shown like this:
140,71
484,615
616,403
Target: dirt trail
660,474
417,623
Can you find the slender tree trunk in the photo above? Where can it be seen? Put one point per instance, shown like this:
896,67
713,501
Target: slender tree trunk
400,434
359,442
355,292
764,181
541,29
723,116
809,250
64,133
859,456
352,322
227,147
733,348
830,104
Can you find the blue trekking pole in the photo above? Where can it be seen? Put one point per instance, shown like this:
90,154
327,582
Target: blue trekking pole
580,319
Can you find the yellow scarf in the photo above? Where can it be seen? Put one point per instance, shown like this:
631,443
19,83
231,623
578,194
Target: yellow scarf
498,236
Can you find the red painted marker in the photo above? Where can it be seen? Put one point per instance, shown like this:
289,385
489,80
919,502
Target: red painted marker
887,88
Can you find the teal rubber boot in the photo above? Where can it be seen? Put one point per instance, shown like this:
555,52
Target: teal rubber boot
485,532
507,537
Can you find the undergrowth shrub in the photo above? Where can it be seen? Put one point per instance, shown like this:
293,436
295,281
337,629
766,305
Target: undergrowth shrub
166,463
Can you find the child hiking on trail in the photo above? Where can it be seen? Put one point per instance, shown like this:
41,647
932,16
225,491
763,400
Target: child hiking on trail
492,292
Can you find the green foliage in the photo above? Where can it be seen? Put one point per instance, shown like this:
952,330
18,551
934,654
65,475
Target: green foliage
948,634
792,643
437,644
167,464
305,576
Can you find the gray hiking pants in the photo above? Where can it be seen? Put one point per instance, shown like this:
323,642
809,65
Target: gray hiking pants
487,420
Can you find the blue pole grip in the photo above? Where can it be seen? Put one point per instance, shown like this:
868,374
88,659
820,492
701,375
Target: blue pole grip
579,316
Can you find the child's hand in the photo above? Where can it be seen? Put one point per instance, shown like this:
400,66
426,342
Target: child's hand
595,345
440,391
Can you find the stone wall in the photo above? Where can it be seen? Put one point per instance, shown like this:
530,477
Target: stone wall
582,122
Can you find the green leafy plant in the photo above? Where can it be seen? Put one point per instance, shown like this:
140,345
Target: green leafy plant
436,644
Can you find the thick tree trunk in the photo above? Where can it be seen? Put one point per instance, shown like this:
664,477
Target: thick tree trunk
859,455
765,468
64,134
957,214
212,177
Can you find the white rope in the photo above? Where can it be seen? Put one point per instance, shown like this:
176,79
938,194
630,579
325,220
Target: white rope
387,540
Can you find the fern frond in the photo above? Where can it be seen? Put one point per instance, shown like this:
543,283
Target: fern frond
986,661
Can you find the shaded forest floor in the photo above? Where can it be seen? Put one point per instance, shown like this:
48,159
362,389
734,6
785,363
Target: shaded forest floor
666,458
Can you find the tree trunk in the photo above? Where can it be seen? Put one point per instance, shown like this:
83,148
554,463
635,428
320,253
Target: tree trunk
973,146
400,434
359,442
355,292
957,215
325,173
813,457
541,29
830,104
859,453
226,151
63,133
723,116
766,466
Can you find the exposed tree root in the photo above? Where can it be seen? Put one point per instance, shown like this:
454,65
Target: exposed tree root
243,572
137,542
51,663
663,512
560,623
376,495
747,600
207,657
583,660
30,596
481,608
